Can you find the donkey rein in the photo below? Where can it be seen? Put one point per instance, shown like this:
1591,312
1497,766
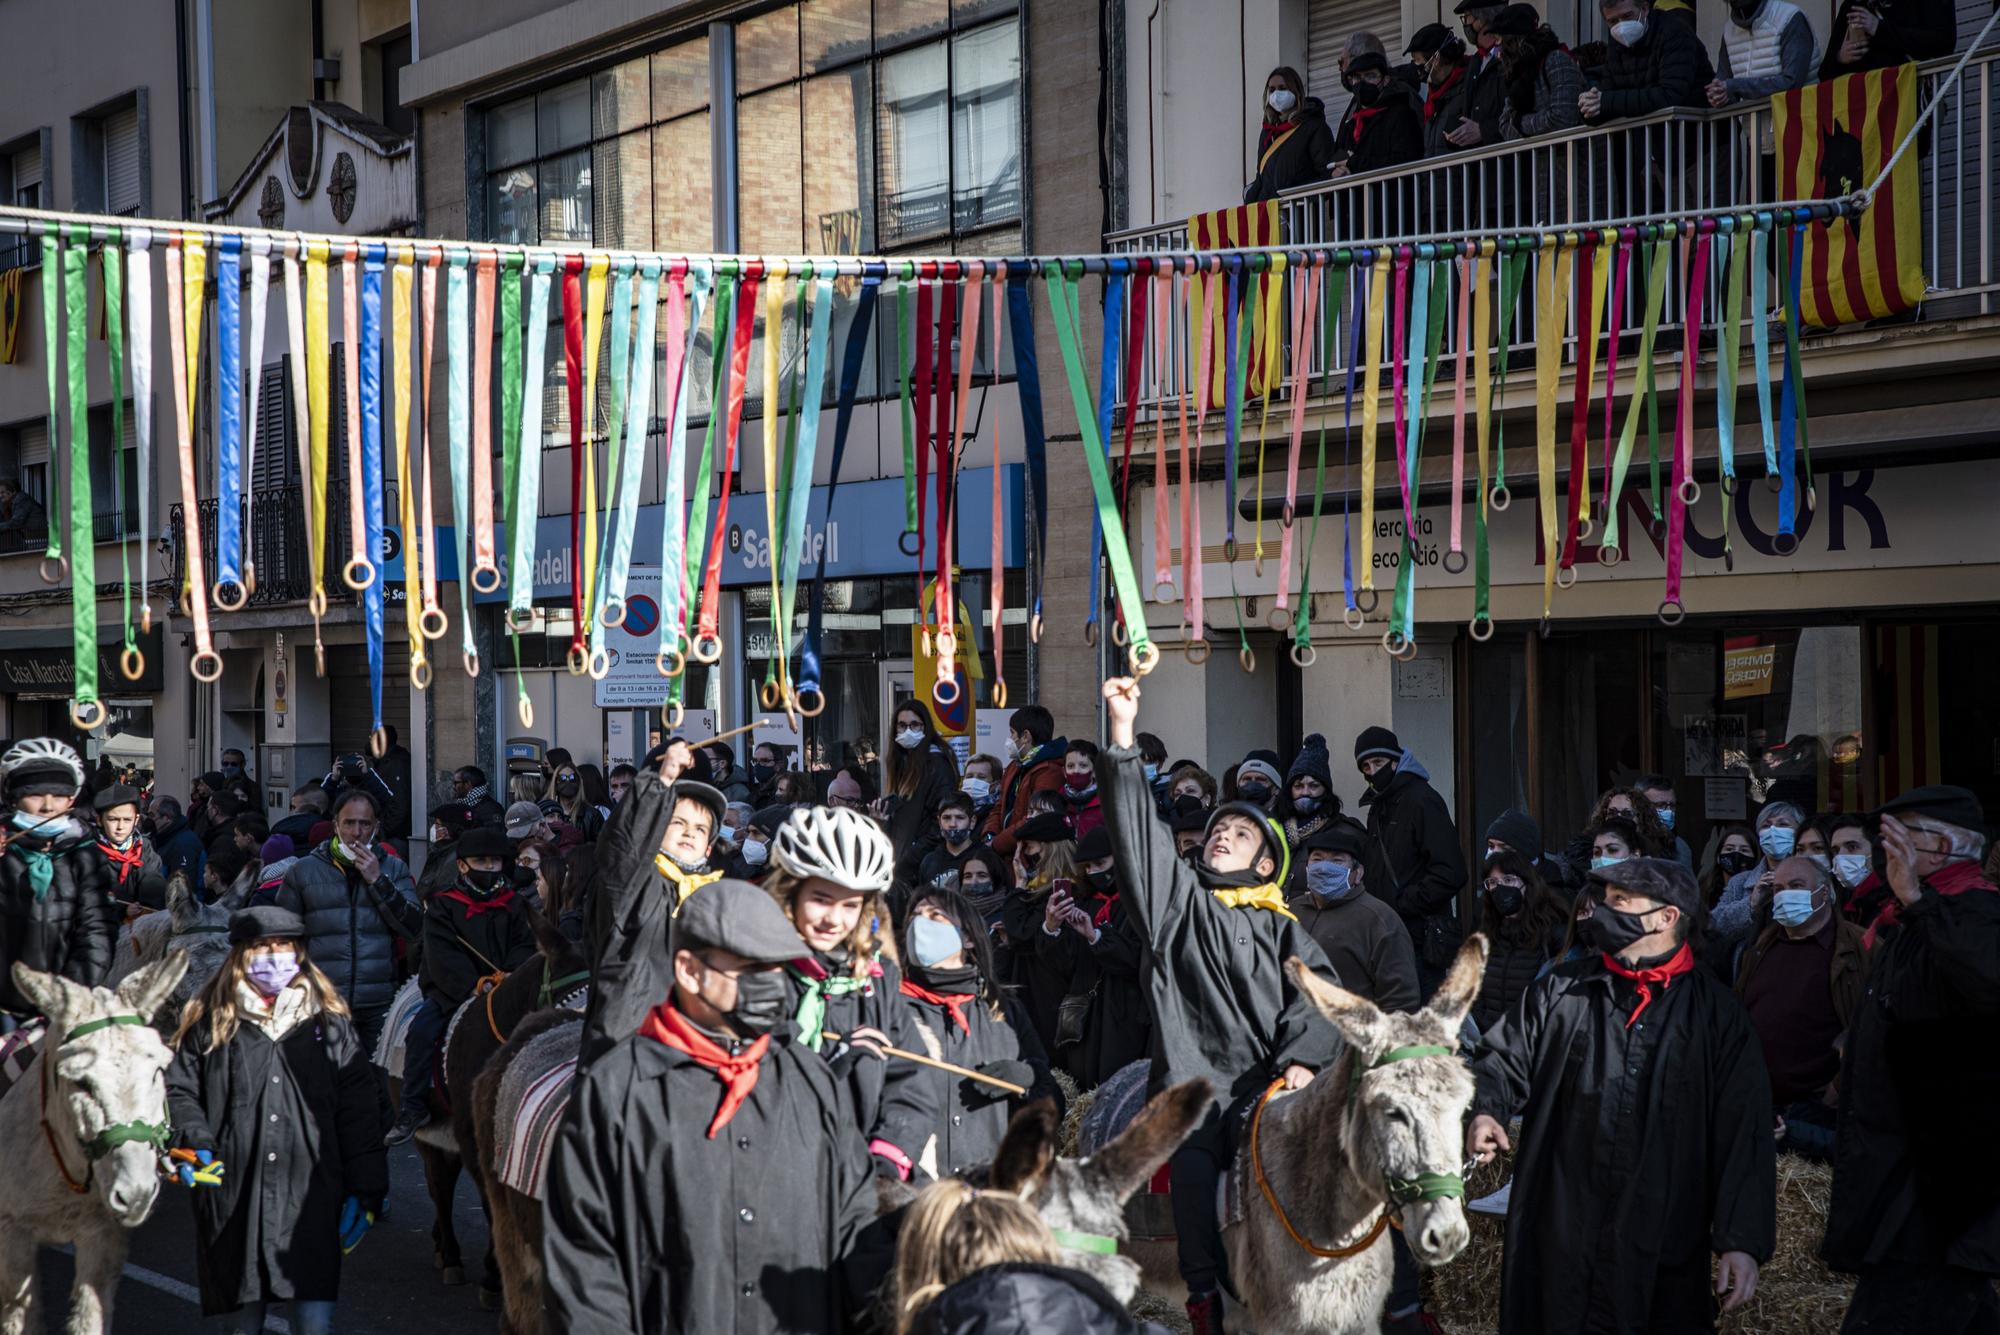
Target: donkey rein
1368,1239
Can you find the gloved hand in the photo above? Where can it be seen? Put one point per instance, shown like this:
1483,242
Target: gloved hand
1013,1072
355,1221
196,1168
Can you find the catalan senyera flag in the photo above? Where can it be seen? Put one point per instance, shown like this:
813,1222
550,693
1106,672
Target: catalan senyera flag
1833,139
1229,229
10,316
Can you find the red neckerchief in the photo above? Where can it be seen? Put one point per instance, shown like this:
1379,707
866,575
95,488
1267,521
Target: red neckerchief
1103,914
1271,130
1437,94
1359,116
126,860
1954,879
954,1002
1663,974
475,907
738,1074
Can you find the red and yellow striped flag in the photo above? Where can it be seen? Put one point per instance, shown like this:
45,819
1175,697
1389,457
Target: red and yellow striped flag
10,316
1834,139
1232,229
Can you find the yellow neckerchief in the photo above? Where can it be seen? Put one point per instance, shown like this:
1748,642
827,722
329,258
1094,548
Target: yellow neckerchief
1264,161
685,883
1263,896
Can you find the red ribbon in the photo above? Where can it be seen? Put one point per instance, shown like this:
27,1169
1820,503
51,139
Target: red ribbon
738,1074
1663,974
926,334
943,404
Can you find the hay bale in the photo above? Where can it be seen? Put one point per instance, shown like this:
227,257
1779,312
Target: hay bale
1075,1105
1796,1295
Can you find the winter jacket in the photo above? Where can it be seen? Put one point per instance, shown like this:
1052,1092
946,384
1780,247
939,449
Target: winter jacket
440,870
890,1103
1545,102
1039,972
651,1224
1414,862
1085,813
1040,771
1223,1007
1918,1086
1511,964
298,1123
1297,155
1367,945
1442,110
1645,1150
917,813
70,929
181,851
1844,975
1667,68
1907,30
1388,134
467,939
351,929
1107,978
1022,1298
143,882
972,1117
1479,96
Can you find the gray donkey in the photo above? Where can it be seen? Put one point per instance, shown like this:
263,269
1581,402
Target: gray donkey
200,931
85,1126
1376,1140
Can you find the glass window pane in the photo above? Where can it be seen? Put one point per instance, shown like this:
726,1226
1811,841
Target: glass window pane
768,200
680,79
510,206
913,169
621,182
565,203
832,32
839,163
683,196
620,99
898,21
562,117
510,133
986,125
767,49
966,11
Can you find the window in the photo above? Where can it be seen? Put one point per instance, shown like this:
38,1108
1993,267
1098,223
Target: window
114,475
23,184
108,158
24,468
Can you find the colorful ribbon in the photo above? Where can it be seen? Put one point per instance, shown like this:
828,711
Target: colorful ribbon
1371,390
114,333
139,295
319,421
1034,448
996,563
622,268
369,353
799,491
86,710
1760,341
1194,602
1794,443
675,523
710,608
596,272
1728,359
459,410
1656,288
638,418
946,642
360,569
1685,491
527,502
1552,280
52,330
1305,305
852,359
1303,653
229,426
431,621
1107,405
1164,280
186,273
485,576
511,266
260,287
400,280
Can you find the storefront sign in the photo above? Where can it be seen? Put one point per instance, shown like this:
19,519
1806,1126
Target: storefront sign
634,680
1747,667
43,662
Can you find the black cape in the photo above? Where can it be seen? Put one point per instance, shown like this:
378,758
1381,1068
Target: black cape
972,1117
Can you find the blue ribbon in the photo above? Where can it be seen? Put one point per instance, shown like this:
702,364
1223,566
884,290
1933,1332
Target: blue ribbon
1788,422
673,513
371,463
1760,342
1034,446
229,415
850,380
1107,405
1347,436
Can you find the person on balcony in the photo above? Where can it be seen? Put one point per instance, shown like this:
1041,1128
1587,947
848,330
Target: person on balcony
1383,128
1543,81
1651,65
1767,48
1478,115
1438,55
1875,34
1295,145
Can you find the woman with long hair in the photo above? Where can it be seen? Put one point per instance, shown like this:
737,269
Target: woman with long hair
1652,838
921,773
565,795
272,1094
1735,852
964,1016
1524,922
596,788
987,880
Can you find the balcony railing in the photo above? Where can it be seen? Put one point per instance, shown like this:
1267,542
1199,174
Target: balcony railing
1671,163
277,544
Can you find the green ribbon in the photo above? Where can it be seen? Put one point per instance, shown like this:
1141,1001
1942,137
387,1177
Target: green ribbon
52,307
720,343
811,1015
1760,340
1655,267
114,335
1329,314
83,562
1131,606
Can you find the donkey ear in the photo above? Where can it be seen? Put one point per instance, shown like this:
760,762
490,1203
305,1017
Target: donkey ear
182,906
1461,985
148,988
1129,1161
1027,1149
52,994
1357,1018
238,893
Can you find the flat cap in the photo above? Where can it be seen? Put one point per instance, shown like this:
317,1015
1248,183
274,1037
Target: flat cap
1516,20
1429,39
740,918
118,795
1664,879
1095,845
1367,61
483,841
1939,801
263,922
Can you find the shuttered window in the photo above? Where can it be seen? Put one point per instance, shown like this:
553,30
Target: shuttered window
1329,23
114,475
121,162
277,448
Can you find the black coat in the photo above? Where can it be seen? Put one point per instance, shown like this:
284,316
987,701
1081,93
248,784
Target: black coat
1668,68
1021,1298
144,884
1223,1007
70,930
913,815
1389,137
461,946
1041,975
653,1226
1483,99
1512,962
888,1100
1301,159
972,1117
1110,973
181,851
1921,1080
298,1123
1414,863
1643,1150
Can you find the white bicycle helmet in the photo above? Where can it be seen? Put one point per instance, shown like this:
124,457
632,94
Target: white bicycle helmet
837,845
41,755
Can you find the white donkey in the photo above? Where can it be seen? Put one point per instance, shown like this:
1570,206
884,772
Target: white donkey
85,1126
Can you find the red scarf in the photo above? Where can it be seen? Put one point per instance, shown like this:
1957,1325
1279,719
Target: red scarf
738,1074
954,1002
1359,116
1103,914
1436,95
475,907
1663,974
127,861
1953,879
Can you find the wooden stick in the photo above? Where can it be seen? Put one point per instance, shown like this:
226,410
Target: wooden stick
935,1064
738,731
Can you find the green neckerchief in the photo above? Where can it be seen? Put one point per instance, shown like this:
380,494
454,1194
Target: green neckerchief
811,1016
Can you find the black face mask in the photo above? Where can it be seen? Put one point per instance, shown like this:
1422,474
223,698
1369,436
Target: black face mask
1736,863
1612,930
1030,862
762,773
568,787
1102,882
1305,807
522,876
1507,899
1256,794
958,838
483,883
1367,94
1380,778
760,1003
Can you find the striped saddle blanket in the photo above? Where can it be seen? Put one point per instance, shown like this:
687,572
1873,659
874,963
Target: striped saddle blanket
533,1096
17,1052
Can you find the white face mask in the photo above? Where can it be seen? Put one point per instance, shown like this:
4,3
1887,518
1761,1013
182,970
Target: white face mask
1629,32
1282,101
1851,868
910,738
976,788
755,851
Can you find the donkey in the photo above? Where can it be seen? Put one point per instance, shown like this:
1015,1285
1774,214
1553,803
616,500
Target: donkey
198,930
86,1124
1376,1140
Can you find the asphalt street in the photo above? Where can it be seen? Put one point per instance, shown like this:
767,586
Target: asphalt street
388,1284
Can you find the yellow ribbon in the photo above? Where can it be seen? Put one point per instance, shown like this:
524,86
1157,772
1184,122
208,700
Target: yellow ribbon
1551,311
593,328
406,491
1371,382
1264,896
1482,370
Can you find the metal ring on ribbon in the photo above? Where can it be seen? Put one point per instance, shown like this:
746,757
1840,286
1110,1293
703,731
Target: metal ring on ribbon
1229,549
1500,498
420,672
1279,618
1451,569
1679,613
1165,592
998,694
61,563
206,665
1480,619
222,604
316,602
1090,633
469,659
1304,655
1197,651
132,664
378,743
1585,526
84,720
1729,484
1610,554
679,659
946,643
577,660
481,575
909,542
1118,636
1562,583
434,630
1784,544
1368,600
771,695
187,602
1690,491
1143,656
348,578
599,666
1035,628
799,700
673,714
1394,642
524,709
711,644
1246,658
1353,617
604,613
946,690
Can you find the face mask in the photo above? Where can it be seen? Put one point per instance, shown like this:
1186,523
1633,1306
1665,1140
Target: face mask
755,851
760,1003
958,838
1825,863
232,771
522,876
1792,907
1629,32
761,773
1152,772
1777,841
1506,899
909,738
1851,868
1612,930
977,789
1734,862
483,882
1079,789
1102,881
1013,750
568,788
1367,94
1666,815
273,973
1603,860
1282,101
1030,861
933,942
1330,880
1305,806
1255,793
1380,778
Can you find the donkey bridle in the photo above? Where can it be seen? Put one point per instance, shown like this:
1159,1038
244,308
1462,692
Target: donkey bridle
111,1137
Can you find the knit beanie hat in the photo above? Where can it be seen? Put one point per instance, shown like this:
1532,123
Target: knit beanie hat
1262,763
1311,762
1519,831
1377,741
276,849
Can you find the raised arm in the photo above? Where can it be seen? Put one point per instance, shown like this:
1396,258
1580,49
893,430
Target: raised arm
1158,885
